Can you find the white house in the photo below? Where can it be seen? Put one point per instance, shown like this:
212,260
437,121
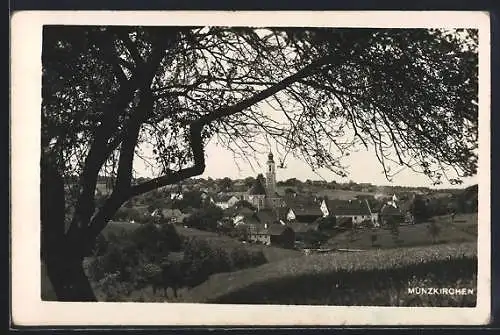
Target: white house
225,201
176,196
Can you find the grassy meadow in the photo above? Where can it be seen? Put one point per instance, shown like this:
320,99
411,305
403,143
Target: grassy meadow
370,278
271,253
463,229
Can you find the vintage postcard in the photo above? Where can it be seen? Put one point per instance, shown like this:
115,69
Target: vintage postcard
250,168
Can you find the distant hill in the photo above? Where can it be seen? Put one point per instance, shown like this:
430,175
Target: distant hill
322,191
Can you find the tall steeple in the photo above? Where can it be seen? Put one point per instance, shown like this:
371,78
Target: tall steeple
271,176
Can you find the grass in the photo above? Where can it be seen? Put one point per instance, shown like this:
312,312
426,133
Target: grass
373,278
332,194
116,227
271,253
410,235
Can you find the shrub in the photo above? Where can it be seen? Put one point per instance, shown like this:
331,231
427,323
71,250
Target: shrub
130,255
203,257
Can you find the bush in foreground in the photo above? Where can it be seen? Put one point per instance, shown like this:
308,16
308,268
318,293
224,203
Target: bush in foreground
375,278
204,257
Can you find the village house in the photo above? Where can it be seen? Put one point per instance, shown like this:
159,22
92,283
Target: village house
303,212
273,234
257,195
302,230
398,210
269,216
258,233
357,210
240,215
224,201
389,213
176,196
169,215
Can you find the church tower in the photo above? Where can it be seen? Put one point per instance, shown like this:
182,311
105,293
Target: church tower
271,176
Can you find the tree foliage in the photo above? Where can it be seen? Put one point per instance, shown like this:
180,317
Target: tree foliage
206,218
114,94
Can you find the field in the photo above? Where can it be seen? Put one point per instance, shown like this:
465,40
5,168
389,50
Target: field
464,229
331,194
372,278
271,253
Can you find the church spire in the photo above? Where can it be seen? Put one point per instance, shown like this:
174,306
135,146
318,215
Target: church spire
270,157
271,175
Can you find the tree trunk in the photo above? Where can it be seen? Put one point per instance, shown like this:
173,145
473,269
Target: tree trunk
63,256
68,278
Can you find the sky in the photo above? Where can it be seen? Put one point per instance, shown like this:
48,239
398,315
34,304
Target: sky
363,167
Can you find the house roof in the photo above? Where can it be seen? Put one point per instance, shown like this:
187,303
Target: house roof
277,229
233,211
272,229
257,188
248,221
307,211
267,216
390,210
347,207
304,206
222,197
301,227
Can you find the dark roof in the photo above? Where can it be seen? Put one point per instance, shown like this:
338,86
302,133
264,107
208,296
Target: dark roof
307,211
277,229
347,207
272,229
267,216
222,197
233,211
301,227
257,188
390,210
304,206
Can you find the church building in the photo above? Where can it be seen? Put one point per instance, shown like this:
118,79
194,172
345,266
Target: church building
263,194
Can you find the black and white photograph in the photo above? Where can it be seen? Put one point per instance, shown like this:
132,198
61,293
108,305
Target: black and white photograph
256,161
